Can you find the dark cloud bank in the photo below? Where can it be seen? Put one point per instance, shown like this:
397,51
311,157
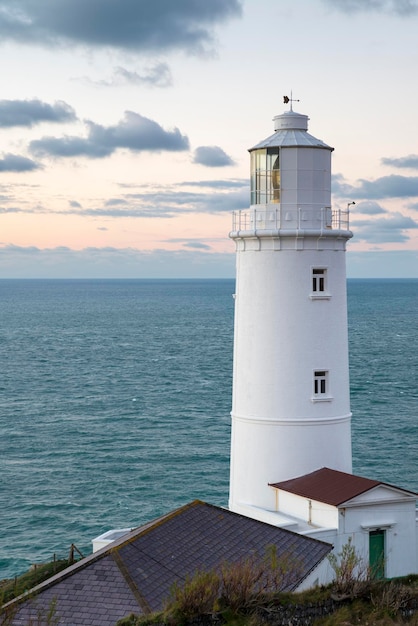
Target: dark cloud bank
16,163
126,24
134,132
392,186
212,156
30,112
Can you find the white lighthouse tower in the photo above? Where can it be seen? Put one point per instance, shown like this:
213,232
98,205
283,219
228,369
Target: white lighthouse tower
291,406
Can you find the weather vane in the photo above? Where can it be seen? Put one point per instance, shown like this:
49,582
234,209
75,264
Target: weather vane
286,100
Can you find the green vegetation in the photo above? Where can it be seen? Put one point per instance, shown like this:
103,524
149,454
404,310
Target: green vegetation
382,603
250,592
10,589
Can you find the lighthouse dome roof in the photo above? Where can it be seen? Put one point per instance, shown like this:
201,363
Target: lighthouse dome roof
291,130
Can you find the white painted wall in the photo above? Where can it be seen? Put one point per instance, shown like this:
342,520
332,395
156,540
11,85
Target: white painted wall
306,182
394,514
282,335
397,518
310,511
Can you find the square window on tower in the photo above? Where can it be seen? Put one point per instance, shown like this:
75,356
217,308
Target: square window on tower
320,382
321,386
319,283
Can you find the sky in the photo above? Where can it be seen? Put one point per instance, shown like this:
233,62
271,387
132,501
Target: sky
125,127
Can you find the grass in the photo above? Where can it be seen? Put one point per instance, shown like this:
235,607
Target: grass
10,589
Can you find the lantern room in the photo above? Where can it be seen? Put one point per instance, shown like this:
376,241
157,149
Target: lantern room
290,179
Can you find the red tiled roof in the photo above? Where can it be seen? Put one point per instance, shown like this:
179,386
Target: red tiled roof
330,486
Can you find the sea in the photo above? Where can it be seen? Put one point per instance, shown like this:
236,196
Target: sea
115,399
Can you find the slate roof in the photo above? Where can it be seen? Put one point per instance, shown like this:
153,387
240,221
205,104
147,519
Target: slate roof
289,138
330,486
135,573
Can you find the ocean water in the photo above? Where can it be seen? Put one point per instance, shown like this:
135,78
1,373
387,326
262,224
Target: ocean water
115,398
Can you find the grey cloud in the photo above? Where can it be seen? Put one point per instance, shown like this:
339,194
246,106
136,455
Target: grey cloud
159,75
115,202
408,162
239,183
166,204
30,112
68,147
6,210
384,229
211,156
196,245
170,203
413,206
134,132
393,186
368,208
130,25
398,7
36,210
156,204
16,163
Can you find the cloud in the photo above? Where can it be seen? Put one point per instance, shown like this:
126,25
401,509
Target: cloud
398,7
393,186
195,244
62,262
116,202
368,207
16,163
30,112
6,210
134,132
167,204
212,156
35,210
388,229
172,202
158,75
232,183
413,206
137,25
409,162
162,203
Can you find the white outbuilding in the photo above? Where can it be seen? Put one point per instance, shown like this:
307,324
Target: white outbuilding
379,519
291,418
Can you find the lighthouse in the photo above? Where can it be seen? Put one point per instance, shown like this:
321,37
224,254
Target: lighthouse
290,405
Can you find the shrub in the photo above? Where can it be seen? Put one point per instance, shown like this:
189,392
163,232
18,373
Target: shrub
196,597
352,577
236,586
391,598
